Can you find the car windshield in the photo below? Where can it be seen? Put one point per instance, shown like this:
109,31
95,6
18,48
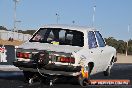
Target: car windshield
58,36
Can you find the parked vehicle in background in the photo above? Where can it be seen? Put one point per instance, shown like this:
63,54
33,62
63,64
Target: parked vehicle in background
56,50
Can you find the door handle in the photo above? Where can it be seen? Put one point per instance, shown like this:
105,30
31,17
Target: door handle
101,51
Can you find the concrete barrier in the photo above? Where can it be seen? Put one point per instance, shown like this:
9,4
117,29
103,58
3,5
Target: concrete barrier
5,35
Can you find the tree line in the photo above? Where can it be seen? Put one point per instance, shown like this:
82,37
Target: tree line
120,45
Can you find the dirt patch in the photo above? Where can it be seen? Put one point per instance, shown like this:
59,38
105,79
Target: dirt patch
15,42
122,58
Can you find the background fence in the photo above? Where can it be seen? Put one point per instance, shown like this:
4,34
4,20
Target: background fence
5,35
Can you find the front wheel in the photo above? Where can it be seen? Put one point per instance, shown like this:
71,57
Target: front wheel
108,70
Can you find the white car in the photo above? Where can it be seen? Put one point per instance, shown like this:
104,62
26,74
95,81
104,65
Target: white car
56,50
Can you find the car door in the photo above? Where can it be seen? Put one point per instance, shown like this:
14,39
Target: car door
104,51
93,52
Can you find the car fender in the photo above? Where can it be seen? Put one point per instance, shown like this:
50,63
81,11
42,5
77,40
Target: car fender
81,59
112,55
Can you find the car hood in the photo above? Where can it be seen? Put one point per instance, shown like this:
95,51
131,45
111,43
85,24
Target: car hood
50,47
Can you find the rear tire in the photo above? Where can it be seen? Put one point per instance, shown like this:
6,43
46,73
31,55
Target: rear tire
27,75
31,77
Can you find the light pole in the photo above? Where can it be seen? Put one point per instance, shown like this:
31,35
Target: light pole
57,18
94,7
127,40
15,1
15,21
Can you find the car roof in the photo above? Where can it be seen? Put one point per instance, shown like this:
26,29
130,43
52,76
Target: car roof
71,27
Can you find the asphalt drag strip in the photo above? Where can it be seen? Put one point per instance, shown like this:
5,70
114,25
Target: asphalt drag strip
15,79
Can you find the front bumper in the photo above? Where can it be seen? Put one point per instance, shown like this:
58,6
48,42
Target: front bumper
49,68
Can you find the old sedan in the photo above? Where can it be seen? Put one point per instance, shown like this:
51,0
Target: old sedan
65,50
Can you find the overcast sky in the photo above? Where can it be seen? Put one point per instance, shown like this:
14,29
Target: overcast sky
111,17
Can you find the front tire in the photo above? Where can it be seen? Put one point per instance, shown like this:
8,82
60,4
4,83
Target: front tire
108,70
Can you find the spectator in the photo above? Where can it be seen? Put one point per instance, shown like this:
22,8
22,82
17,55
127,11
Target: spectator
9,39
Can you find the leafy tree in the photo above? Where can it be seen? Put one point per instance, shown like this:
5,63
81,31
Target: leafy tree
120,45
111,42
130,50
